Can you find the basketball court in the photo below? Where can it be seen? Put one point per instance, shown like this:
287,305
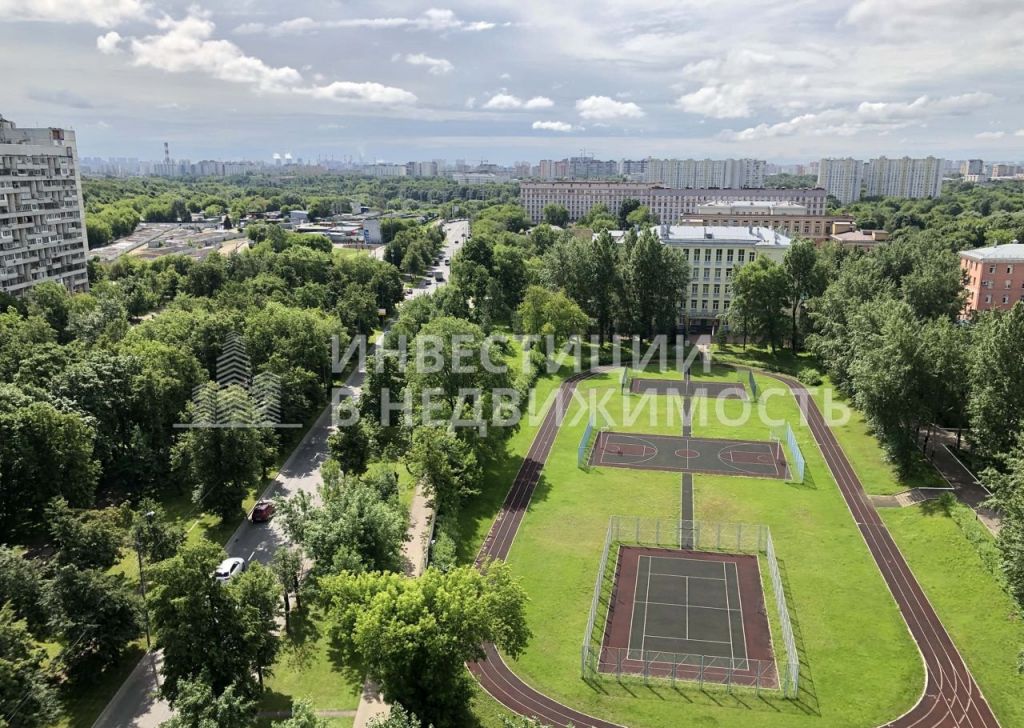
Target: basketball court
760,459
689,388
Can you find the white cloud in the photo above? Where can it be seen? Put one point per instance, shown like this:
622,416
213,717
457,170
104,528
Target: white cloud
435,19
538,102
367,92
553,126
104,13
471,102
603,107
109,43
868,116
990,135
507,102
1019,132
728,101
186,46
436,66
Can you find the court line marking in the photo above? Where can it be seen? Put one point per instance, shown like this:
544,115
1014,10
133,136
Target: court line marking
743,627
690,576
686,611
692,606
632,609
643,639
725,573
680,639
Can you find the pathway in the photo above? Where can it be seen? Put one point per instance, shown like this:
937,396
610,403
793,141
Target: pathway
967,487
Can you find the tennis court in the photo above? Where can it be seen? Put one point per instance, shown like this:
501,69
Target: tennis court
689,388
670,606
760,459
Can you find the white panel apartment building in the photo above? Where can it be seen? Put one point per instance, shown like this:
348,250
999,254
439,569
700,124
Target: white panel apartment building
841,178
904,177
670,205
42,232
705,173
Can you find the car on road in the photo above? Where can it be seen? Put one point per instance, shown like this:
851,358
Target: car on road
228,569
438,276
447,261
262,511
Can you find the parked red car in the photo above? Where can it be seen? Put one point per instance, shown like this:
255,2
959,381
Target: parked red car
262,511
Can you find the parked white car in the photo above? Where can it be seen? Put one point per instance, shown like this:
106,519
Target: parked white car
228,569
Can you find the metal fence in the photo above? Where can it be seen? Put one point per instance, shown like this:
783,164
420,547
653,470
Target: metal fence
753,384
599,661
583,451
625,380
797,464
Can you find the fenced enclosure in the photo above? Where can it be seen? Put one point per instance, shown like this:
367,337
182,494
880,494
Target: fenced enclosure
797,464
753,384
601,661
583,451
625,380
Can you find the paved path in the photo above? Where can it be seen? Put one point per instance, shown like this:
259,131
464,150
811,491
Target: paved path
135,705
951,698
967,487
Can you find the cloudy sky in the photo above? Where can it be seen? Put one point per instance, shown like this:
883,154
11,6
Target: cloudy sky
784,80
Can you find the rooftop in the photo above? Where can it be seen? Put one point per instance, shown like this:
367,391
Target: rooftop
757,236
1010,251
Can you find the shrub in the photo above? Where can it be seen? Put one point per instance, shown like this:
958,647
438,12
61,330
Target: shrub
809,376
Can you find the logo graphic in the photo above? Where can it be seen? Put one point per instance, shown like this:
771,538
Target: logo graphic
237,398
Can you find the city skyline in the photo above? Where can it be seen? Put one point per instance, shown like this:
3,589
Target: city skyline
227,81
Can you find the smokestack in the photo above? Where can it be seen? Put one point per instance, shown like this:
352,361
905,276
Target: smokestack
167,153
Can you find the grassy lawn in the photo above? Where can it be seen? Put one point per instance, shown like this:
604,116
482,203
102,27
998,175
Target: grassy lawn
981,618
859,666
306,669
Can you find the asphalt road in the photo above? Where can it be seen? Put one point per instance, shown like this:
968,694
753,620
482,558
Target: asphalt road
134,704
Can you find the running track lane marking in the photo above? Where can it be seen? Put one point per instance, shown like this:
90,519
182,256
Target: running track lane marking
937,707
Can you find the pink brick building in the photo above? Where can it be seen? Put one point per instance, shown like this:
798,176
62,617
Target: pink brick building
994,277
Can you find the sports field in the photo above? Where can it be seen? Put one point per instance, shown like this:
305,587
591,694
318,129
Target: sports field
858,665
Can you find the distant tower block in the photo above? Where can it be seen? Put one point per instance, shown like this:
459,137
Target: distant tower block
167,153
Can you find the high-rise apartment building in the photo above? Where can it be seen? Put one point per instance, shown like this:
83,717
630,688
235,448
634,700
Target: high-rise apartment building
972,166
706,173
670,205
42,229
904,177
841,178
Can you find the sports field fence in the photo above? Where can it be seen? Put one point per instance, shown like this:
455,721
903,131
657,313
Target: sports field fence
586,442
625,380
601,662
797,464
754,393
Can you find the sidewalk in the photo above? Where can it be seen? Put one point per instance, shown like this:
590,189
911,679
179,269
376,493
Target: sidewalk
966,487
416,552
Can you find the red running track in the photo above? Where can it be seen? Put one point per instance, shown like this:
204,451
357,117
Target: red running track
950,698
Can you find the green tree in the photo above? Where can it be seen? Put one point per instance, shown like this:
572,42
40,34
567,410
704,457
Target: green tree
641,217
153,533
399,717
21,588
358,524
91,539
805,281
259,605
96,615
27,697
550,313
654,280
447,465
287,567
996,374
413,636
625,210
760,297
52,302
303,716
556,215
198,705
190,611
350,448
221,462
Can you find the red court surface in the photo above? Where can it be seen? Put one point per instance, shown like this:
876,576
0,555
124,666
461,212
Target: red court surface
759,459
688,615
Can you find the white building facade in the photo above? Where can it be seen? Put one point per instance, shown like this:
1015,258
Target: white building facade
906,177
841,178
42,225
706,173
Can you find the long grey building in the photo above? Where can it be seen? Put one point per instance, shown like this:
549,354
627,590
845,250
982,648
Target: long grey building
42,227
670,205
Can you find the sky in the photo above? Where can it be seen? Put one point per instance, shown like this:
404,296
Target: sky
507,80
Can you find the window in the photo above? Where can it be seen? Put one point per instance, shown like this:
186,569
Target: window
718,256
693,289
752,256
1009,270
1006,299
714,305
707,255
718,289
1009,283
728,256
740,256
704,305
705,290
988,299
725,305
693,303
991,269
